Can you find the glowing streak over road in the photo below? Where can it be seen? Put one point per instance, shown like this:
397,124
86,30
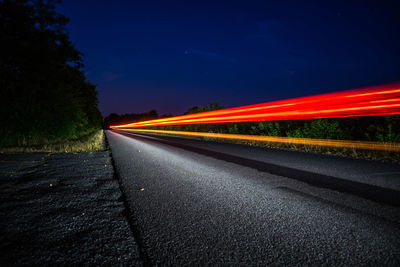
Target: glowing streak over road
351,103
393,147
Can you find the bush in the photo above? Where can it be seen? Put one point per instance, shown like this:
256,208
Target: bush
269,128
388,131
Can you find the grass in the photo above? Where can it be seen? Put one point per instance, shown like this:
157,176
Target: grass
376,155
88,143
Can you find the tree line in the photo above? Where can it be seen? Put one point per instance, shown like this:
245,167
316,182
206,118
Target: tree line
115,119
44,92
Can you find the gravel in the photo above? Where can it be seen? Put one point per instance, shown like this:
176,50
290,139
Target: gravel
63,209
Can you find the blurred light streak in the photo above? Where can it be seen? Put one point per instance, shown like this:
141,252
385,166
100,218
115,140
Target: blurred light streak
392,147
387,100
351,103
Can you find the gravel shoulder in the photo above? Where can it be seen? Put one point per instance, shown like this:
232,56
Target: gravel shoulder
63,209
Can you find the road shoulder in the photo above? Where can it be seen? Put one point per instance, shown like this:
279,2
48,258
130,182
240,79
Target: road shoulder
63,209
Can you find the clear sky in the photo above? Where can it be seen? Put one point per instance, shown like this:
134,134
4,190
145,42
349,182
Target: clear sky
173,55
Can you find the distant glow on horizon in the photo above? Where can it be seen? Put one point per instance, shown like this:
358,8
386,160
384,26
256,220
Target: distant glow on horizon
351,103
393,147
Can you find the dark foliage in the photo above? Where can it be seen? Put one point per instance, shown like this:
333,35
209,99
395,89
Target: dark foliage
44,94
206,107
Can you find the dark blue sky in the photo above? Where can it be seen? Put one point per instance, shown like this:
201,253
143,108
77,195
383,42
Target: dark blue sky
173,55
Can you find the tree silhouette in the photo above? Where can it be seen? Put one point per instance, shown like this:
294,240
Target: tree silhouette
44,93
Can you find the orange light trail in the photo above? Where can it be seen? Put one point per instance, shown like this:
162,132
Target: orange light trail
351,103
393,147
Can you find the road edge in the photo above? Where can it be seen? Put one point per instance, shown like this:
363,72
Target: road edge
127,213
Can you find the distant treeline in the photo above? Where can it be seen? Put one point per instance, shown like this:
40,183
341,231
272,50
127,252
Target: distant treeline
115,119
44,93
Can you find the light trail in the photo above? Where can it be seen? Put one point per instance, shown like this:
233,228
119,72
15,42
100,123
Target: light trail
392,147
351,103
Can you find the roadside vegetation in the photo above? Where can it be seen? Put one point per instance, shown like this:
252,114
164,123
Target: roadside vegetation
91,142
45,98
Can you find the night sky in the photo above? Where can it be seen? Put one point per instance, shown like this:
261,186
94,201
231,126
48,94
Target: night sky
173,55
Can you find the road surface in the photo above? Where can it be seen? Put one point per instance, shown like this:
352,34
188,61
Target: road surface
208,203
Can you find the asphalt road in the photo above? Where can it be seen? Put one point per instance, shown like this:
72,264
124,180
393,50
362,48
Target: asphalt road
207,203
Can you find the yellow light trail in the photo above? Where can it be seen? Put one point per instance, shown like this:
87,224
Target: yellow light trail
392,147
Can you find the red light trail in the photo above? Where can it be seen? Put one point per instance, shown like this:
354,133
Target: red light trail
372,101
